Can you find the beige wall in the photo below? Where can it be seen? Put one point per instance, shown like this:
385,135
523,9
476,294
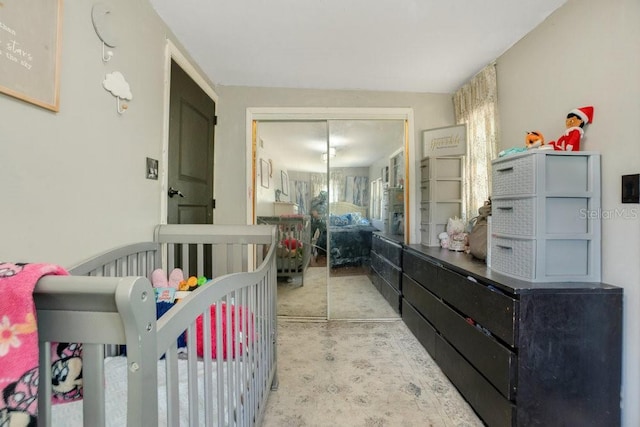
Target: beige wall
73,182
430,110
588,53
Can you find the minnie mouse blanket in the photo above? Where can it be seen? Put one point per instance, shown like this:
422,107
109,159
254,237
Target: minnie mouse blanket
19,347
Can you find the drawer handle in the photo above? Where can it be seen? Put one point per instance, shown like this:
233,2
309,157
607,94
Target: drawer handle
505,208
507,169
504,247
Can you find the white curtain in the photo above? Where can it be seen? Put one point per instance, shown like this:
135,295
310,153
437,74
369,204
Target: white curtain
476,105
336,184
318,183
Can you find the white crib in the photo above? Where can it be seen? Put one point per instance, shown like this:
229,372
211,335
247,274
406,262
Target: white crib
108,300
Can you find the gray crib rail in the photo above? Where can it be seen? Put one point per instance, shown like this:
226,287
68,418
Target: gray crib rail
109,300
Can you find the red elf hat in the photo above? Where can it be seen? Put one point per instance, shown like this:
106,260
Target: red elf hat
585,114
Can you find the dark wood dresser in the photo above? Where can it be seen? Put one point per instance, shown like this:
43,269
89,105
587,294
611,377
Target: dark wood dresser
521,353
386,267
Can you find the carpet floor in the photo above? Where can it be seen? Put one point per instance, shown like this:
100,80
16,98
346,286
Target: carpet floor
370,374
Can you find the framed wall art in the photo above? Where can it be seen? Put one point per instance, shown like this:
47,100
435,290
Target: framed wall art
30,37
264,173
445,141
285,182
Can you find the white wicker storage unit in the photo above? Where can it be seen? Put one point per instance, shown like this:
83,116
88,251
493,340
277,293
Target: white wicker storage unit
546,216
441,195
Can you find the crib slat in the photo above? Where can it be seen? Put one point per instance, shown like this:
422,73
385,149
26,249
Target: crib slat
173,392
93,410
192,367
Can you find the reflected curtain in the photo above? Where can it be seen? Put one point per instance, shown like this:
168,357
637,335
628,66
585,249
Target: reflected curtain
318,183
357,190
302,196
476,105
336,183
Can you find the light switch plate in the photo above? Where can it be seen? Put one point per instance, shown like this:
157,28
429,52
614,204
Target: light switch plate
631,188
152,168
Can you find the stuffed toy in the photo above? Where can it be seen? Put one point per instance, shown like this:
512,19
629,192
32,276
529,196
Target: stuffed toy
457,236
444,240
534,139
576,119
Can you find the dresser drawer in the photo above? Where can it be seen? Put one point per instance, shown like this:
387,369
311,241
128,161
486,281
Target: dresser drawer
514,216
513,177
422,329
388,292
514,257
422,271
439,212
495,361
494,310
425,191
387,249
494,409
389,272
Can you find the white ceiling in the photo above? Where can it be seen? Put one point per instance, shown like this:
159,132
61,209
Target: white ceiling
299,146
431,46
384,45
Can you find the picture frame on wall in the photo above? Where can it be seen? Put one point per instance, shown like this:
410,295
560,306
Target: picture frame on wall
264,173
445,141
30,54
285,183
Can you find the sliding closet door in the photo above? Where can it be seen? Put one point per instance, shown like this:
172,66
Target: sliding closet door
291,193
358,153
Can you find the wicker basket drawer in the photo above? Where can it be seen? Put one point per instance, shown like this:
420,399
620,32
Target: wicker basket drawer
514,216
514,176
514,257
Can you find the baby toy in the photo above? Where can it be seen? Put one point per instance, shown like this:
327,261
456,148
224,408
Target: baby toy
576,119
176,280
534,139
457,235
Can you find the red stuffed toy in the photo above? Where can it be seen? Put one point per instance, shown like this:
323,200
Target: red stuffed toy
576,119
291,243
238,331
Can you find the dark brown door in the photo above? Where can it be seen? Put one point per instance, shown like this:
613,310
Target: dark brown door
191,148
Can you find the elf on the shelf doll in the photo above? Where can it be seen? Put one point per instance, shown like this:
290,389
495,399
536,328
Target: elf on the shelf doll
576,119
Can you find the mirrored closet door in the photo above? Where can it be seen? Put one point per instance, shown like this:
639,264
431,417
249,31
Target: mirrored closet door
361,152
315,180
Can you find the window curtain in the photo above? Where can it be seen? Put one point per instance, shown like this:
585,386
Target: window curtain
336,184
318,183
475,104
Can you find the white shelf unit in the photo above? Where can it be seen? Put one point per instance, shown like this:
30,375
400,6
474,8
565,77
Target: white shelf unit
441,195
546,211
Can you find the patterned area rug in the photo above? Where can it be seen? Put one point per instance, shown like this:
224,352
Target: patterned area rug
351,297
308,299
373,374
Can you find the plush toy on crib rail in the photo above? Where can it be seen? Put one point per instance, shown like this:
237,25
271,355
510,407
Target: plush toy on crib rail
576,119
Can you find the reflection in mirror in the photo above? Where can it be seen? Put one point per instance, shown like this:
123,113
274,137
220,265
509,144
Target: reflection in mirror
363,155
339,174
285,197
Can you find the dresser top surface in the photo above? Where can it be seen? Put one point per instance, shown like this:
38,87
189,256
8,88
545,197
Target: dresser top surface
544,152
468,265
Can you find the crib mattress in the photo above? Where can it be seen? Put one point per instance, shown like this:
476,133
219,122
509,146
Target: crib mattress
70,414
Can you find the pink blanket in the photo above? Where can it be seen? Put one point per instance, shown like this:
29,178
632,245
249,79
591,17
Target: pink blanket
19,346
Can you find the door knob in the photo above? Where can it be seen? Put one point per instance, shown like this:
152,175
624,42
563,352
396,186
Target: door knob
174,192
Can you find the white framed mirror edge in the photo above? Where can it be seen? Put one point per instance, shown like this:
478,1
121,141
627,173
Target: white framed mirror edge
369,113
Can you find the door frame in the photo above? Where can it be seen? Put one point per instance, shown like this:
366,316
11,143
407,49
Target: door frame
314,113
173,53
